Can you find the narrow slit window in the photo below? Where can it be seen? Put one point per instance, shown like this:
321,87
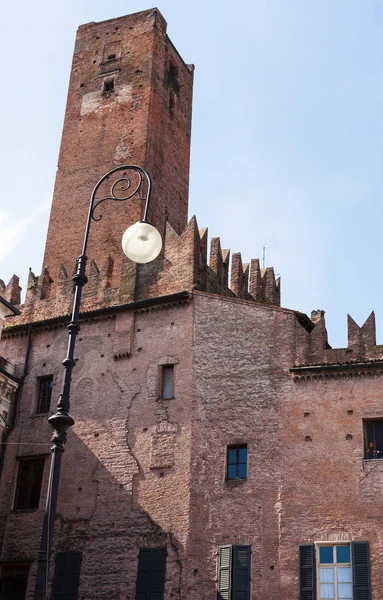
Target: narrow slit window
237,462
111,56
44,394
167,383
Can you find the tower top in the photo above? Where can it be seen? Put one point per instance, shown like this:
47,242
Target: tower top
129,102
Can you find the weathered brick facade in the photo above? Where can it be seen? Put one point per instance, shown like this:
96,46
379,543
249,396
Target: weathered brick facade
141,471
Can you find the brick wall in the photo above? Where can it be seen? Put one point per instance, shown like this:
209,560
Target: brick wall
139,471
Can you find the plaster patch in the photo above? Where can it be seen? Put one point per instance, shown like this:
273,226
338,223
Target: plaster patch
95,101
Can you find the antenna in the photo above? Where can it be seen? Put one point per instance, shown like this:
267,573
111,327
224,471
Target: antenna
264,252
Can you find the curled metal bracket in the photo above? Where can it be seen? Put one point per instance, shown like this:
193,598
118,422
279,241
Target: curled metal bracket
122,189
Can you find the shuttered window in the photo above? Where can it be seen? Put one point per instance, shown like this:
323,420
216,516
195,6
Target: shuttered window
67,576
151,572
334,571
233,573
361,570
307,579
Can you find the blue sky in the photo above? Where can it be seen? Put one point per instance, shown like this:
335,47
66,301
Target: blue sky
286,143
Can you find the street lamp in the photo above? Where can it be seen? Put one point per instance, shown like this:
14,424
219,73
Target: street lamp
141,243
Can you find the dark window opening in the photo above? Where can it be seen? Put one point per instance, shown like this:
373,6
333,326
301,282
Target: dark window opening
45,394
13,581
167,382
172,79
111,56
237,462
108,86
29,480
373,439
151,572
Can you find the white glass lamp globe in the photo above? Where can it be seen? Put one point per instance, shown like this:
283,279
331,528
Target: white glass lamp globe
141,242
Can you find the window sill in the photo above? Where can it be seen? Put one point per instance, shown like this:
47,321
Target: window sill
163,399
235,482
373,460
19,511
39,415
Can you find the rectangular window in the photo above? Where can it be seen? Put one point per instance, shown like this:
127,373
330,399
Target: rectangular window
334,571
334,565
237,462
45,394
29,480
67,576
151,572
233,573
167,382
373,439
13,581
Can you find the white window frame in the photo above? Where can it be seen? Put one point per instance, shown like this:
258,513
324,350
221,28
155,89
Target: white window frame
334,565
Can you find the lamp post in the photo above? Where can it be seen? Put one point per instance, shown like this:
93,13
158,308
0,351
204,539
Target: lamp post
141,243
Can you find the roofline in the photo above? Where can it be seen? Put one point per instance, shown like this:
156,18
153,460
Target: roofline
130,306
303,319
10,376
11,307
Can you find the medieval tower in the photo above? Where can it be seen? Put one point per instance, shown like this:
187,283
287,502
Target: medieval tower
221,447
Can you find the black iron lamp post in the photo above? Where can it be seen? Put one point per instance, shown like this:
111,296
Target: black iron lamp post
141,243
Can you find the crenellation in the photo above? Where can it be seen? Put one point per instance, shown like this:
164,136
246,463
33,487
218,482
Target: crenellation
368,333
312,347
12,291
204,237
255,285
173,368
44,284
239,277
106,273
182,265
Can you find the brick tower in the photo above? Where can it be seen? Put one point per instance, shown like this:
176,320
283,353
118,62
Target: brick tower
129,102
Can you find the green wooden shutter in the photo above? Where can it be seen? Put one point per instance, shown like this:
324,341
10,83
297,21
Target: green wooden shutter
224,573
151,572
67,576
241,573
307,572
361,570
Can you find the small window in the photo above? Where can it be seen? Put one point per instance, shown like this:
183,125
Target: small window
111,56
167,382
172,78
373,439
45,394
237,462
29,480
108,86
13,581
